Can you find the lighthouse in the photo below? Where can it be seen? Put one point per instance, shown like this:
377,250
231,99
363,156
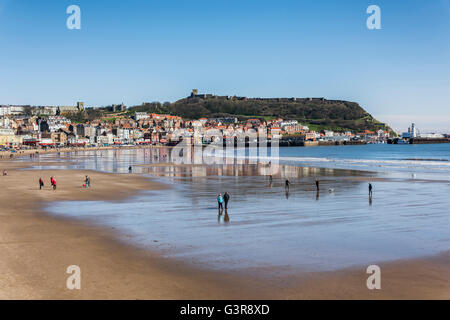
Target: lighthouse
413,130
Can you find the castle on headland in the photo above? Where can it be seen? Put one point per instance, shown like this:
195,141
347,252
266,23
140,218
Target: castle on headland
195,94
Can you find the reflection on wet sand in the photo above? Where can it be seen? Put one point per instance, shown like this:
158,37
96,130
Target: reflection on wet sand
243,169
294,180
271,224
226,217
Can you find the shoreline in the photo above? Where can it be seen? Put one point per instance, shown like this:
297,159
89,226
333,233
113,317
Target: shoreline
7,155
37,248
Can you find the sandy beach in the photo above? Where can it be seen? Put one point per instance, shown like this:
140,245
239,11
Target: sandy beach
37,248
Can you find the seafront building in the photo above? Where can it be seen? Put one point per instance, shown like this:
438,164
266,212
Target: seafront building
50,126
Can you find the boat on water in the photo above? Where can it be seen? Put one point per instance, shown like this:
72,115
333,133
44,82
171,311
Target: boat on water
402,141
398,141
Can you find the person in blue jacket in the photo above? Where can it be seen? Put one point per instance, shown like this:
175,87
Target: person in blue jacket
220,202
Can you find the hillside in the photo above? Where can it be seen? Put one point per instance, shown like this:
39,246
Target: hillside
319,113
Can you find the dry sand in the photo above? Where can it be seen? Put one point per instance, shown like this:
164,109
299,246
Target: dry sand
36,249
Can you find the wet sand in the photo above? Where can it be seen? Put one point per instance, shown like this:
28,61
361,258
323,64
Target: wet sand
37,249
7,155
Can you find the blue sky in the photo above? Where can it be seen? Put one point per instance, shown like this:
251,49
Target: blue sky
134,51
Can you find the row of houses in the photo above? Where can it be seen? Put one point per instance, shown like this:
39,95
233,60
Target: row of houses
151,128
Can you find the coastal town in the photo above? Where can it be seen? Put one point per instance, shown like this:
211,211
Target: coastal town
225,159
36,127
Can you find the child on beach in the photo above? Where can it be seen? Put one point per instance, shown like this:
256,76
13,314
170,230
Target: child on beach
41,183
220,202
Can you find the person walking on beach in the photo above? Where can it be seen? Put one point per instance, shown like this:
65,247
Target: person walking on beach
53,182
287,185
270,179
220,202
226,198
87,182
317,185
41,183
130,169
370,189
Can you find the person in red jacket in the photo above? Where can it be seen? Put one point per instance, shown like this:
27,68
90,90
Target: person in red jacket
53,182
41,183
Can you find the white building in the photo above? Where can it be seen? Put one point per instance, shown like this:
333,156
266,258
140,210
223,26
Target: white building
432,135
141,115
4,122
105,139
11,110
6,132
288,123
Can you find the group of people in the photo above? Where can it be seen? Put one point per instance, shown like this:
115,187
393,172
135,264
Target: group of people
287,184
223,200
52,183
86,184
33,155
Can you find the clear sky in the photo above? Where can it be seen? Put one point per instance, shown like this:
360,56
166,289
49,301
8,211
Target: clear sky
134,51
